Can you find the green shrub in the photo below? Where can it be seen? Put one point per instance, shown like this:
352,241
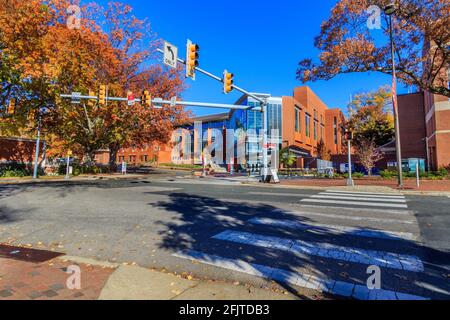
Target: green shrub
78,169
15,170
443,172
388,174
439,175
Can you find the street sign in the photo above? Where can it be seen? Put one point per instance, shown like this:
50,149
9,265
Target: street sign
274,174
131,98
76,97
170,55
173,101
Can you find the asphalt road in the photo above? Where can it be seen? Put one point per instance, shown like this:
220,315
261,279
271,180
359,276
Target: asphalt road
291,238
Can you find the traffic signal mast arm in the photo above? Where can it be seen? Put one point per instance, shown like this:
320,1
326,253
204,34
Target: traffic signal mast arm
158,101
235,87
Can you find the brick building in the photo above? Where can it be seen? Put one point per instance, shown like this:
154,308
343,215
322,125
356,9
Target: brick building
19,150
424,130
150,153
302,121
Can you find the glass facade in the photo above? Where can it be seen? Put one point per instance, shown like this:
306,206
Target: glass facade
252,122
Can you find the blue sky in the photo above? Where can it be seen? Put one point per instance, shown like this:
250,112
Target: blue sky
261,42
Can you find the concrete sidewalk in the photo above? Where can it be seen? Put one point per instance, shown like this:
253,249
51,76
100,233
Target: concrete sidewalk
26,277
131,282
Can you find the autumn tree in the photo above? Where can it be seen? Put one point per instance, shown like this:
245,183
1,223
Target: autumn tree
322,151
372,125
368,153
421,37
111,47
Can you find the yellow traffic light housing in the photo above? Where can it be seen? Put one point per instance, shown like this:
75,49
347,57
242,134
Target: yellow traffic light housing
91,102
102,95
32,115
12,106
146,99
192,56
228,81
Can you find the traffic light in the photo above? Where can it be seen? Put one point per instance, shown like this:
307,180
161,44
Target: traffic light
349,135
32,115
192,57
146,99
102,95
12,106
91,102
228,80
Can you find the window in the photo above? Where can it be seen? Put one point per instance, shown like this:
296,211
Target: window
335,126
307,124
315,130
298,127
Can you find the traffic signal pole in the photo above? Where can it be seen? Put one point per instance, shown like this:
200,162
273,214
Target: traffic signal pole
262,109
209,74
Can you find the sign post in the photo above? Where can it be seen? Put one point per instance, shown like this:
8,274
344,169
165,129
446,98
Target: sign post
69,154
349,136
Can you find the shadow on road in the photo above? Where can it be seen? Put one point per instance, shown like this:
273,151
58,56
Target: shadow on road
201,218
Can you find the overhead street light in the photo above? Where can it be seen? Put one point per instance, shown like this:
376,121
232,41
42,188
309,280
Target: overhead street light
391,8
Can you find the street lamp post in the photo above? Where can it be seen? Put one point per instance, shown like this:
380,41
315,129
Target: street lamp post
38,143
390,10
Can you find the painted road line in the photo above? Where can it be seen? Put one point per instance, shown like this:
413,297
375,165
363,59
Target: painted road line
334,230
361,195
346,217
373,211
339,288
358,192
324,250
356,203
278,194
320,196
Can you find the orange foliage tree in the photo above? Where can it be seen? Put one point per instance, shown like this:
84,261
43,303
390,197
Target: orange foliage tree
421,35
113,47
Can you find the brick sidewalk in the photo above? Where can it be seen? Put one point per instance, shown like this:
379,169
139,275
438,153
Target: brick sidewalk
410,184
30,276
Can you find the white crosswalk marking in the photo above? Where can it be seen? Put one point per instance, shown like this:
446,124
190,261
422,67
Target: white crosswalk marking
359,215
356,195
335,230
358,199
359,192
348,217
341,288
324,196
356,203
325,250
